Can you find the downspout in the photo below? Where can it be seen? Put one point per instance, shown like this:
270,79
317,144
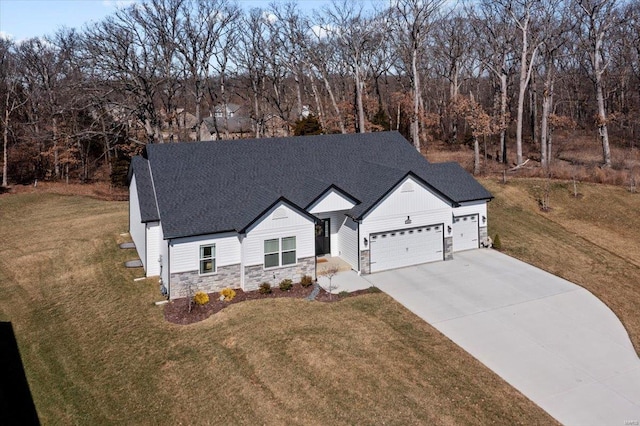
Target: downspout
358,247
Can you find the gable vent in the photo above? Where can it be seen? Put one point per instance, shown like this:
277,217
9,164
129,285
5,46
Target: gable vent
407,187
280,213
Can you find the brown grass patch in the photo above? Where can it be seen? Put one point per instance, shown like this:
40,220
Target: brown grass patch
97,351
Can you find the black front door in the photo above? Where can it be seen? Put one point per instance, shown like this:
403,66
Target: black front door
323,237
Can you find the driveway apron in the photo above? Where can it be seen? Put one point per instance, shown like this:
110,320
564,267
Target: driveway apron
551,339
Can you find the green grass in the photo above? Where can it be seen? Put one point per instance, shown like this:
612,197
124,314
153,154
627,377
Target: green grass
592,240
98,351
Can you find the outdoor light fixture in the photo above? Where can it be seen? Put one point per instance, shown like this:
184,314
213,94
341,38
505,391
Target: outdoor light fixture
484,219
408,221
449,229
366,242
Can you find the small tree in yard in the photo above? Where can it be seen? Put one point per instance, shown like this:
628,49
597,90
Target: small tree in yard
330,272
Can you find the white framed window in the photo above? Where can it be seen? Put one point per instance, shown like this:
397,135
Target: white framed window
208,259
280,252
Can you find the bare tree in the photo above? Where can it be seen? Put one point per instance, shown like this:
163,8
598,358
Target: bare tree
9,88
413,20
203,33
526,15
495,51
596,20
355,33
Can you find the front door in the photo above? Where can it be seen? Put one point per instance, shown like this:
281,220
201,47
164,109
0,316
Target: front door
323,237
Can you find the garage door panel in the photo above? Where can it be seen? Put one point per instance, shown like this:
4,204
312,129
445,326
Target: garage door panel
396,249
465,232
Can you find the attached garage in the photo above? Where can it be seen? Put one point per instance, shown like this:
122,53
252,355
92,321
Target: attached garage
465,232
405,247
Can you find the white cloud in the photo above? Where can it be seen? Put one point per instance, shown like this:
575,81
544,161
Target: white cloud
5,36
269,17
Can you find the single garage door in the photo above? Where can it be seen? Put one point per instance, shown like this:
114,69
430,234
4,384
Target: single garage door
405,247
465,232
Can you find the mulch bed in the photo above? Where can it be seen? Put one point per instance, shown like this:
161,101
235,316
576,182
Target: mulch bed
177,311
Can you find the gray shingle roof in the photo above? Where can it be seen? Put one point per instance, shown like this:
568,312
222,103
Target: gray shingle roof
210,187
146,197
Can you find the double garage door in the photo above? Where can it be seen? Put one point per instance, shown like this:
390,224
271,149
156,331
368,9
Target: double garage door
405,247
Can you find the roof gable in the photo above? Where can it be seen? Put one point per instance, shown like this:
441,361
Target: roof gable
331,200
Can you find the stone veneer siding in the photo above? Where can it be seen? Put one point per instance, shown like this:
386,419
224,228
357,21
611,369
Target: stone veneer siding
225,276
448,248
256,274
484,237
365,266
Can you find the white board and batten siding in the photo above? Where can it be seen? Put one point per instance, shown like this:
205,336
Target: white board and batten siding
137,229
472,207
331,201
154,241
410,199
163,252
278,222
406,228
348,242
185,252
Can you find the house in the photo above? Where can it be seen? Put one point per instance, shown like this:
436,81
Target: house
238,213
228,121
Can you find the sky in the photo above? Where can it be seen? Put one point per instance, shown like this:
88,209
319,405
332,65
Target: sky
22,19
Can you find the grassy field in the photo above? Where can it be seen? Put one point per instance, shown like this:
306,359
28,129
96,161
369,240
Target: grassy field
97,351
592,240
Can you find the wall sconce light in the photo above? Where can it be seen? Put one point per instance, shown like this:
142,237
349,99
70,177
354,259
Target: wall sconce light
449,229
408,221
484,219
366,242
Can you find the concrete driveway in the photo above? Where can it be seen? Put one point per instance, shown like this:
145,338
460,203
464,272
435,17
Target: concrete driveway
551,339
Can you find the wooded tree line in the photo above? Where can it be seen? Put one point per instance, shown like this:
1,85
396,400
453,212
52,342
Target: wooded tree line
78,103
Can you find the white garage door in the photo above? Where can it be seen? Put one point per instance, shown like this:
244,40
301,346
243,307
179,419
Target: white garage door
395,249
465,232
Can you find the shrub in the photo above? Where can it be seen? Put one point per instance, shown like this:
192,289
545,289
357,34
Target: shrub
227,294
374,289
286,284
306,281
201,298
497,244
265,288
343,294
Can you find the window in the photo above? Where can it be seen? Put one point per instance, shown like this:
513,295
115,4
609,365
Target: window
289,251
279,252
207,259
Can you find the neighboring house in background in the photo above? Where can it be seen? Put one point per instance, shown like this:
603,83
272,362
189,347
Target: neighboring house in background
239,213
231,120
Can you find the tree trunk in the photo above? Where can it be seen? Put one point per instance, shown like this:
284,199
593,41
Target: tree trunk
5,142
415,124
327,85
602,121
547,106
56,160
359,105
533,108
503,116
476,155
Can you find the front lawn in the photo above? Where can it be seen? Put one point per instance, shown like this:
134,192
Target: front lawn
97,350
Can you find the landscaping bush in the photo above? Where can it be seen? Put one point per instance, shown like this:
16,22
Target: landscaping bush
286,284
306,281
496,242
227,294
201,298
265,288
374,289
343,294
